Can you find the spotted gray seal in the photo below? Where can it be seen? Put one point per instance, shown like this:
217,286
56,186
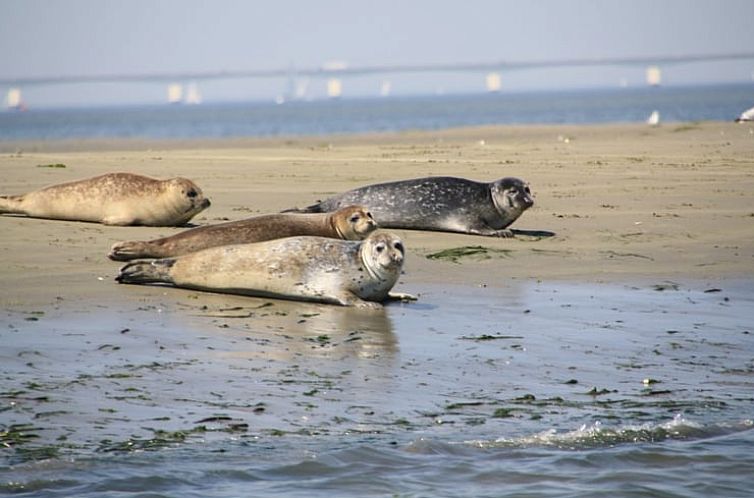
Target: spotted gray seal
113,199
349,223
344,272
440,203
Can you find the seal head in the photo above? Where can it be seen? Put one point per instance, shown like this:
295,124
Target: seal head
382,255
190,200
353,222
511,197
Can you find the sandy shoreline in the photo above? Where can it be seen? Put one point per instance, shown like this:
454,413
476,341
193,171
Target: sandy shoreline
626,202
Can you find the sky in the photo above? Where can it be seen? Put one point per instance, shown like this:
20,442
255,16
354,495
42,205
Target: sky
90,37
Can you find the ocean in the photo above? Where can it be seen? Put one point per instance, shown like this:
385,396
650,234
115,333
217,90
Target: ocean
535,389
625,105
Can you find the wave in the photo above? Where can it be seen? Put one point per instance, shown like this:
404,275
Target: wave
597,434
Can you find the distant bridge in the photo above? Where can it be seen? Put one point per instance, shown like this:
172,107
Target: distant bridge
343,70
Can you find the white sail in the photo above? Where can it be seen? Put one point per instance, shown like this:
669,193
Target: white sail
192,95
493,82
654,118
13,98
385,88
334,88
175,93
654,76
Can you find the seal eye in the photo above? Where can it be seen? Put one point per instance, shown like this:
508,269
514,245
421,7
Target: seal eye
192,193
399,246
369,215
380,247
354,218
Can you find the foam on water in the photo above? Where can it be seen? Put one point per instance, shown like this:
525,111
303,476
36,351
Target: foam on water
596,434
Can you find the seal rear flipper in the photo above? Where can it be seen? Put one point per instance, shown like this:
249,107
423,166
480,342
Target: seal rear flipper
128,250
314,208
146,272
11,204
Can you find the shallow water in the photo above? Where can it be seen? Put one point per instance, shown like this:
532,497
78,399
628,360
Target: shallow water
536,389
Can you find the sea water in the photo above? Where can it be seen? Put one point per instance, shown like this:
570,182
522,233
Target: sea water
529,389
625,105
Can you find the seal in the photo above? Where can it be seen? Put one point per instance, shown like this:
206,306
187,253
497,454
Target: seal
113,199
440,203
318,269
349,223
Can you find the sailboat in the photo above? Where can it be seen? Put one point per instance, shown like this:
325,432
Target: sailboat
654,118
13,100
175,93
192,95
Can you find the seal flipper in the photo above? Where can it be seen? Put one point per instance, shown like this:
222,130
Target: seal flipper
314,208
131,249
146,272
11,204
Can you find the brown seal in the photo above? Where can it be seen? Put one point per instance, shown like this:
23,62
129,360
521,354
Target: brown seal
113,199
350,223
319,269
440,203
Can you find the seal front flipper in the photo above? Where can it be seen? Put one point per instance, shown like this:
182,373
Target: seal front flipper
486,232
401,296
503,233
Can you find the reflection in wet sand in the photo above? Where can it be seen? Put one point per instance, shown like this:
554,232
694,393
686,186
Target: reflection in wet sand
318,330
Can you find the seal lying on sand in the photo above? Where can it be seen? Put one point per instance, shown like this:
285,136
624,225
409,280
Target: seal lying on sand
113,199
350,223
440,203
348,273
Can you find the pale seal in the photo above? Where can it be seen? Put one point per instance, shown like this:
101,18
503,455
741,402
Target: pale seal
319,269
440,203
113,199
349,223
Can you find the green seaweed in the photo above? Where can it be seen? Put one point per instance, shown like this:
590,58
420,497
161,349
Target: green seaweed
502,413
478,252
489,337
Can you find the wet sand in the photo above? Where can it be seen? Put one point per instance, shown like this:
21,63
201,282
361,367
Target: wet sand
651,226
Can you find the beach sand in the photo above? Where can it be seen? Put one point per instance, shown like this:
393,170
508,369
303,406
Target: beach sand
625,202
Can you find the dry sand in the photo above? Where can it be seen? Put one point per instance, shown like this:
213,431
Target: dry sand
626,202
